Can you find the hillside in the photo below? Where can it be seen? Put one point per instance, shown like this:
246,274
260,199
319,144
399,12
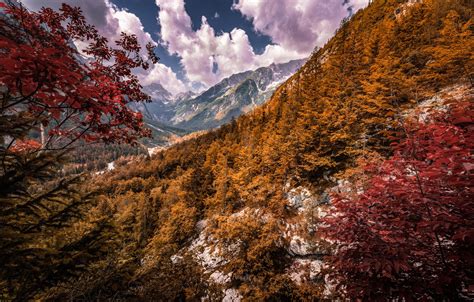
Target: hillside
232,97
228,99
234,214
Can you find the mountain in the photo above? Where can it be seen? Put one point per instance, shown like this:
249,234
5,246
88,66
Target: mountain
232,97
160,108
162,134
236,213
158,112
228,99
184,96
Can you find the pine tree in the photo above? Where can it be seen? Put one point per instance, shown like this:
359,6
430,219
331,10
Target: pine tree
49,99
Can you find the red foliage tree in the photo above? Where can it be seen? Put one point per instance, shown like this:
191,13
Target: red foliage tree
410,234
52,90
50,84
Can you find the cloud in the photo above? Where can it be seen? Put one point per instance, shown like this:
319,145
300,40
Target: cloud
110,21
208,57
294,26
297,25
162,74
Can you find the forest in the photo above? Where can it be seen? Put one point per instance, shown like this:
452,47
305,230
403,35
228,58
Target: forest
378,126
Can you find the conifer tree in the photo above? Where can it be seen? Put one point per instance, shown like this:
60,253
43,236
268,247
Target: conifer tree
49,99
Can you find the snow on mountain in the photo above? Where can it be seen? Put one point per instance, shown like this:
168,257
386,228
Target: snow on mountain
183,96
170,116
217,105
232,97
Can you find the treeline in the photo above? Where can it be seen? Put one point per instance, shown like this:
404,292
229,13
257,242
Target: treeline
96,157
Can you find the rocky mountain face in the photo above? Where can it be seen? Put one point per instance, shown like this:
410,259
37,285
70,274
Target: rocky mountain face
159,109
216,106
232,97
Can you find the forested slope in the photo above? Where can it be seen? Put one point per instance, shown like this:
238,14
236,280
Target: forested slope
345,104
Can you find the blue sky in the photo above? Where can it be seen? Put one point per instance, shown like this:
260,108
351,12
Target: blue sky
217,12
200,42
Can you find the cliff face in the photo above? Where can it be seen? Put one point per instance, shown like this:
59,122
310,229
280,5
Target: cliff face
234,212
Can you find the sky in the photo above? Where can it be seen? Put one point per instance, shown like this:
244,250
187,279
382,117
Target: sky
201,42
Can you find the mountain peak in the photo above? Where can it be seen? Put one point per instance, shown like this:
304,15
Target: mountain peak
230,98
182,96
157,92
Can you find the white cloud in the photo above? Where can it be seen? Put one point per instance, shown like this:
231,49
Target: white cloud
216,15
162,74
203,49
110,21
295,27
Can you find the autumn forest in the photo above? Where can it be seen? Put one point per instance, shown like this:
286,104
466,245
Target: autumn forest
354,181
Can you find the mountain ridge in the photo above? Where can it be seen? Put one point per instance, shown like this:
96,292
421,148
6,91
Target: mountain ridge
231,97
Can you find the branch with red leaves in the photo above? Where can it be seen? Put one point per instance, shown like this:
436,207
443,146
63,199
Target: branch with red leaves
72,95
410,234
